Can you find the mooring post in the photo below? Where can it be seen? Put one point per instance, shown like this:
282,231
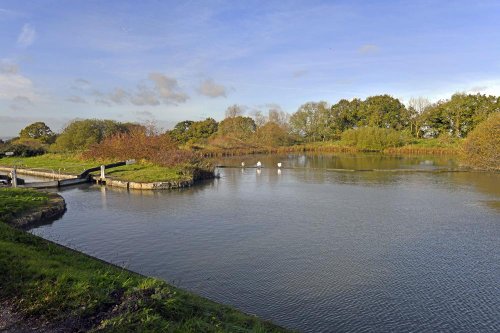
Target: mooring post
14,177
103,175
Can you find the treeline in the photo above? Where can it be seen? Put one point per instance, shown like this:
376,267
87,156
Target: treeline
372,124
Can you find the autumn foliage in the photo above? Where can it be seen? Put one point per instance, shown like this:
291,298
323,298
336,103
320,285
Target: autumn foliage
141,144
481,149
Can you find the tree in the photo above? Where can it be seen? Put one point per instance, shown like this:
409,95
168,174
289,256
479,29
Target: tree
383,111
38,131
416,109
180,131
81,134
258,118
193,131
346,114
279,117
459,115
313,121
239,127
201,130
481,149
273,135
234,111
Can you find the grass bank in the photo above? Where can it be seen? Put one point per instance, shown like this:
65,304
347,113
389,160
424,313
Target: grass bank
435,146
73,164
50,286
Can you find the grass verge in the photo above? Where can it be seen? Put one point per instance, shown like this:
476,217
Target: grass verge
73,164
76,292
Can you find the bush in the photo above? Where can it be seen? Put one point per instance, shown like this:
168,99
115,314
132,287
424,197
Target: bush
481,149
272,135
140,145
374,138
22,150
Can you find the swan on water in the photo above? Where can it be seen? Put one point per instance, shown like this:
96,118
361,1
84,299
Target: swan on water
259,164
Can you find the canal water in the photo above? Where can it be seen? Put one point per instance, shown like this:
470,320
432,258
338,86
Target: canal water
311,248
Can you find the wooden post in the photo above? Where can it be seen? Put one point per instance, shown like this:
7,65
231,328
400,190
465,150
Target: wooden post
14,177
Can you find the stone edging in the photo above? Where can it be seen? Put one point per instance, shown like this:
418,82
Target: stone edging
53,209
149,186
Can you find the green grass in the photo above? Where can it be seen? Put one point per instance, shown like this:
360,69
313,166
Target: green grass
72,164
144,172
48,281
436,143
14,201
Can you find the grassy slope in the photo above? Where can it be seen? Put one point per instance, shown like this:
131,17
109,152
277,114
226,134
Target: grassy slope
50,281
417,146
140,172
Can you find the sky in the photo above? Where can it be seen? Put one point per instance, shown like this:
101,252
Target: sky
168,61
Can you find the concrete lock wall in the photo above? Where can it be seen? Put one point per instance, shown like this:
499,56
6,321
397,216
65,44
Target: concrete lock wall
45,174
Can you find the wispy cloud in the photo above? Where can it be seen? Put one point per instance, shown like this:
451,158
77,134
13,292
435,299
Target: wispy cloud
368,49
299,73
27,36
168,88
76,99
20,103
8,67
12,85
155,90
211,89
145,96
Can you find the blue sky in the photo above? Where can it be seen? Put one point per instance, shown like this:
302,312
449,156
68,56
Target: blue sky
166,61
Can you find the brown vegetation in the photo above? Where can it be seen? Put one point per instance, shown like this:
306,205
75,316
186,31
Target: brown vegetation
140,145
481,150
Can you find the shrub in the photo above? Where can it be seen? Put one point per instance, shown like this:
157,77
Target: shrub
481,149
374,138
22,150
140,145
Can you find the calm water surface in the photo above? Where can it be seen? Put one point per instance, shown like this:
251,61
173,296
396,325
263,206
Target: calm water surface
313,249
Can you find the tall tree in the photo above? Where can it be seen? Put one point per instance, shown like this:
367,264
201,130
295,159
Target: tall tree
416,109
38,131
313,121
234,110
239,127
346,114
81,134
383,111
459,115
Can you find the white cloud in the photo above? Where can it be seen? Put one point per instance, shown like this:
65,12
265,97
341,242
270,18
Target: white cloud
27,36
211,89
13,85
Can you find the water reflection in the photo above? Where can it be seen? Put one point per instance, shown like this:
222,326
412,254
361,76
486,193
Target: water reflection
312,249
